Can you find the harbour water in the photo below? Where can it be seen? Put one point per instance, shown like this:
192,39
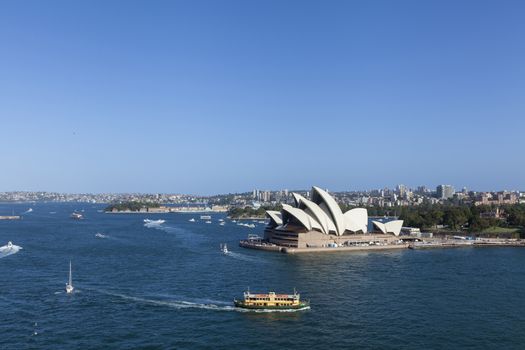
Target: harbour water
170,286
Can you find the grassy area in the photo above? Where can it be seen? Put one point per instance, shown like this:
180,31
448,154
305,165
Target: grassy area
494,229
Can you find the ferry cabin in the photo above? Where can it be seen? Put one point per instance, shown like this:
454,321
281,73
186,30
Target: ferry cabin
271,300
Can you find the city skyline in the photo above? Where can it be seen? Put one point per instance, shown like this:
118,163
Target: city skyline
214,97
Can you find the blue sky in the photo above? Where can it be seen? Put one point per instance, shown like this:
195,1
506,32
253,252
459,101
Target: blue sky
224,96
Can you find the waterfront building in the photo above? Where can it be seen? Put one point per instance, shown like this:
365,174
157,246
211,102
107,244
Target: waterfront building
319,221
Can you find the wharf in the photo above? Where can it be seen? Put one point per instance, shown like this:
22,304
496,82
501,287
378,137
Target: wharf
261,245
466,244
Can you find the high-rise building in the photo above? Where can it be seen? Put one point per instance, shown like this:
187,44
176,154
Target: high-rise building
445,191
401,190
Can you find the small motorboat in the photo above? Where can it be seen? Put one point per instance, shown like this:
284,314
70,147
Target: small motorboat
192,220
76,216
154,222
224,248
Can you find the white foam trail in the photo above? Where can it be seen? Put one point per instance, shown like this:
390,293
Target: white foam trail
182,304
153,225
6,250
177,304
243,257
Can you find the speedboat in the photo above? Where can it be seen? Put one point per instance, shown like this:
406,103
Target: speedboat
192,220
76,216
69,284
208,222
9,249
154,222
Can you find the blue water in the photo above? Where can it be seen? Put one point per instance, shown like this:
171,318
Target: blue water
170,287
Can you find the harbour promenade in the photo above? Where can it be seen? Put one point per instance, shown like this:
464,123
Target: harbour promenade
403,243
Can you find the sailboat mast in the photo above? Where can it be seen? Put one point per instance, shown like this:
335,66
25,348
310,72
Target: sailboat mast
70,279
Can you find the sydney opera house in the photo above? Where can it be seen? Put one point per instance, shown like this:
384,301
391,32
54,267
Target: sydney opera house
319,222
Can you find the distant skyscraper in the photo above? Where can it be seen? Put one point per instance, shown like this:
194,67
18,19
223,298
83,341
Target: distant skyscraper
445,191
401,190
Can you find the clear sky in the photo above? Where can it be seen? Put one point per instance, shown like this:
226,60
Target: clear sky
224,96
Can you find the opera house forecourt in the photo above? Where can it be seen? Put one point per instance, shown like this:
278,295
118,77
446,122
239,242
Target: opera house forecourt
318,224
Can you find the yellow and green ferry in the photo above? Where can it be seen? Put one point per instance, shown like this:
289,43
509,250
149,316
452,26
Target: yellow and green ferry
271,301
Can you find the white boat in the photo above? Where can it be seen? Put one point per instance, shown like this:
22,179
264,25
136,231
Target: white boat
76,216
205,217
224,248
221,220
154,222
9,249
192,220
208,222
250,225
222,223
69,285
100,235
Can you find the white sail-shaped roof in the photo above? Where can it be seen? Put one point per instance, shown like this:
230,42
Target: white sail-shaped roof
316,212
331,208
356,220
275,217
298,214
393,227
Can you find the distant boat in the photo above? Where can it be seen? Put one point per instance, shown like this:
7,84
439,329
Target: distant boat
69,285
192,220
9,249
222,223
205,217
224,248
76,216
154,222
221,220
100,235
208,222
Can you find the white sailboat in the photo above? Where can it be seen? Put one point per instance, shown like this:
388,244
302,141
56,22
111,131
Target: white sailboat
69,285
224,248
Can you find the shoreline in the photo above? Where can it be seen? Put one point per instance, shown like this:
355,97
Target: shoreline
265,246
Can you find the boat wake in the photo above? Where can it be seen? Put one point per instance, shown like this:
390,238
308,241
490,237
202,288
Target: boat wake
183,304
8,249
242,257
177,304
153,223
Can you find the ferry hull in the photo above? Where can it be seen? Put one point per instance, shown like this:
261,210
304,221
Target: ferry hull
242,304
